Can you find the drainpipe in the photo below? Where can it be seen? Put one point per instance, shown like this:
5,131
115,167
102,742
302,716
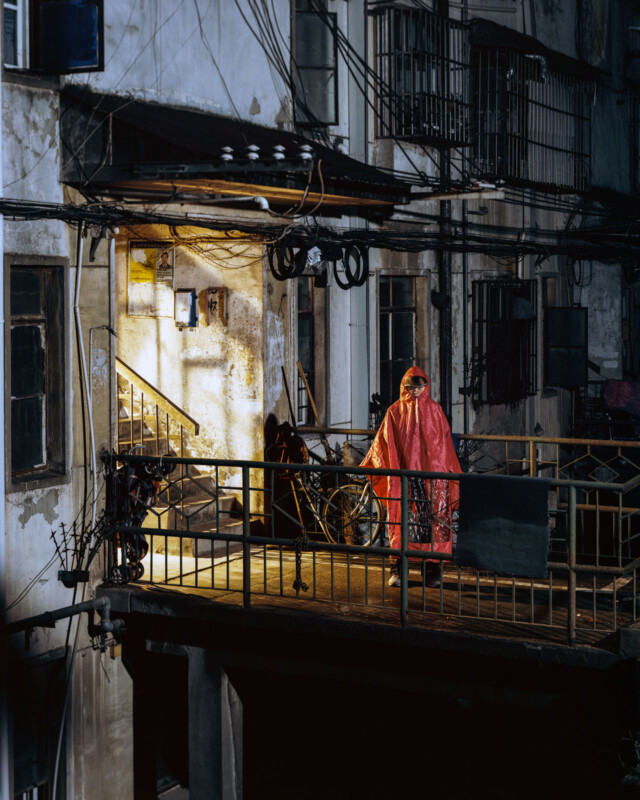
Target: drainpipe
444,273
465,319
465,290
84,374
5,772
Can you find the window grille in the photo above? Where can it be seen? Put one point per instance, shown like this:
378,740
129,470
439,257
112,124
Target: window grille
503,369
422,68
396,325
531,124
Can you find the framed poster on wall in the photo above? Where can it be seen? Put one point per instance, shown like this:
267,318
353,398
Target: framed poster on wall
150,278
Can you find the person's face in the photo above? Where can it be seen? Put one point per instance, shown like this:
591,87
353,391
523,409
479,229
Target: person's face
415,390
163,259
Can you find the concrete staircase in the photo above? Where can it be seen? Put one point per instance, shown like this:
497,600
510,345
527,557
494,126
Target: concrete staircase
188,500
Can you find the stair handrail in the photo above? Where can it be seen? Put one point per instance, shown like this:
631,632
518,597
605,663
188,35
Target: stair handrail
155,395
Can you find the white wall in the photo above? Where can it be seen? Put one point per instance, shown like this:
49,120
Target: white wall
161,50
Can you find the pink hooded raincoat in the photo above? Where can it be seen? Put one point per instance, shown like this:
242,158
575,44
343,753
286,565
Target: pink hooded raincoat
415,435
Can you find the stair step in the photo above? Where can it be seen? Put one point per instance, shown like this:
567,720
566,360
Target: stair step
187,486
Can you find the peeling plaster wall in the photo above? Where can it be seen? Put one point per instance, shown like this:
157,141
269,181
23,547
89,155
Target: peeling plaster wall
99,738
213,372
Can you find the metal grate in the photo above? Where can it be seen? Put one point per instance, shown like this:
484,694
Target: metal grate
422,67
504,341
530,124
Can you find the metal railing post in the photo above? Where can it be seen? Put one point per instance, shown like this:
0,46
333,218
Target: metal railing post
532,458
246,532
404,541
572,566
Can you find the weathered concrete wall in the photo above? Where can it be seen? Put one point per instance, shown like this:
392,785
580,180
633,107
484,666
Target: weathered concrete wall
601,293
197,55
31,165
213,372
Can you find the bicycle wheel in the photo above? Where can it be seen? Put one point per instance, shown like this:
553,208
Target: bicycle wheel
352,514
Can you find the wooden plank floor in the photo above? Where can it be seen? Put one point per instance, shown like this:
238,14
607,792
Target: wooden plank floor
467,602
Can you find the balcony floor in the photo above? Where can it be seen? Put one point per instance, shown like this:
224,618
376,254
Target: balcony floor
355,588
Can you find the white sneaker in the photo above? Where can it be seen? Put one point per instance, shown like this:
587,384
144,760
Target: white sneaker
394,579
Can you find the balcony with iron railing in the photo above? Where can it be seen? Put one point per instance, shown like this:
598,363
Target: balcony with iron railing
313,538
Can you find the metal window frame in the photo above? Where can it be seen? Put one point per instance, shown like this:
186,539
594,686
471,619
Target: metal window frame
504,360
21,33
56,467
422,61
28,39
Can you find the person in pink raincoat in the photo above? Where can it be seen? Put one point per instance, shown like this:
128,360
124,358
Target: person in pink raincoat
415,435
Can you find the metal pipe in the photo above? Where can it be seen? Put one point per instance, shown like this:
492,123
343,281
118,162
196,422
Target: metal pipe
49,618
84,373
246,533
571,561
404,543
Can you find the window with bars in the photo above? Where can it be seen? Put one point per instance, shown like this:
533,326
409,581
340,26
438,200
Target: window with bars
396,333
37,373
315,67
503,369
531,124
422,69
53,37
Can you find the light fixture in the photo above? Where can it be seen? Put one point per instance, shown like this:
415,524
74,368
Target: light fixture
227,153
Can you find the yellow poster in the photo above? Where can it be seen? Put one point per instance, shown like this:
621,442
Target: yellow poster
151,262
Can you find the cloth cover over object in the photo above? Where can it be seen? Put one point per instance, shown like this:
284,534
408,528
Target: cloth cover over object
504,525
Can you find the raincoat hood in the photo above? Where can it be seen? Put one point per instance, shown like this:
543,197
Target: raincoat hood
405,394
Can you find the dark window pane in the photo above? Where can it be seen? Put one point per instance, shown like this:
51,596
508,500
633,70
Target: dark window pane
385,295
315,68
304,295
317,94
397,373
314,41
27,361
385,386
10,37
384,337
403,335
26,433
402,292
25,293
305,343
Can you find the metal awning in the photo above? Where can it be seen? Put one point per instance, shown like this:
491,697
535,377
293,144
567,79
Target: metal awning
125,147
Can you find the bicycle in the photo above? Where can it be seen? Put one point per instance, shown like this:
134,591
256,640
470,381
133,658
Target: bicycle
347,513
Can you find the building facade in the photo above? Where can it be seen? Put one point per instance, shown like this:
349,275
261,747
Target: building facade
246,207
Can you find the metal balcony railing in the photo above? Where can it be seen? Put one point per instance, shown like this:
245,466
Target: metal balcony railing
310,536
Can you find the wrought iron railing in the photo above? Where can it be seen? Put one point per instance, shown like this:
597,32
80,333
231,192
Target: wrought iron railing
147,419
290,546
